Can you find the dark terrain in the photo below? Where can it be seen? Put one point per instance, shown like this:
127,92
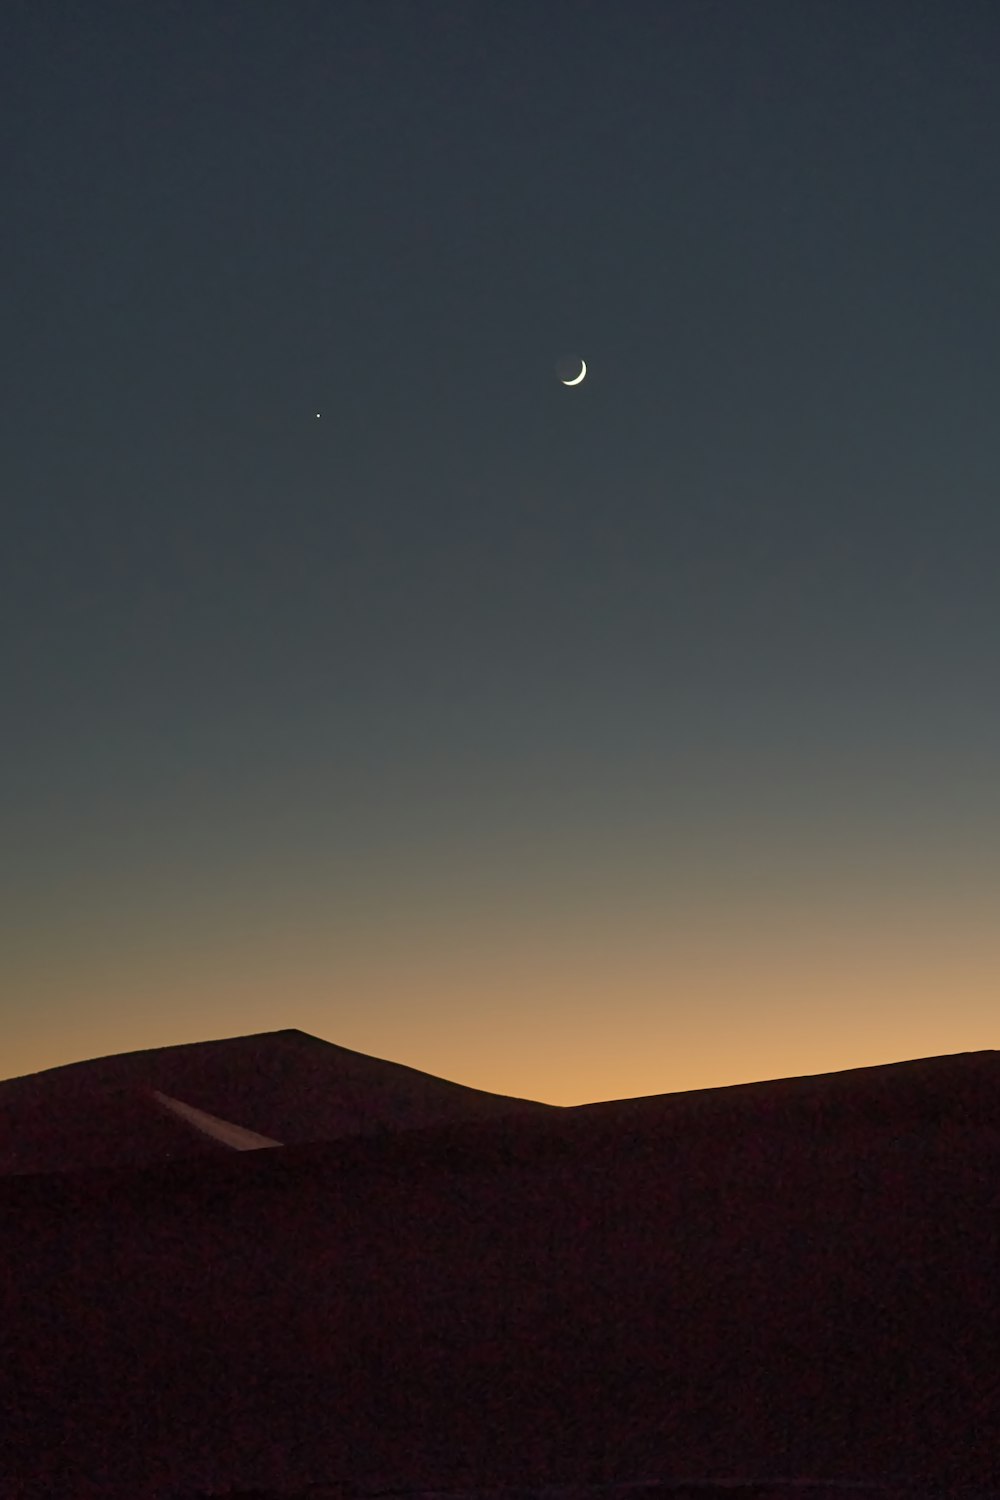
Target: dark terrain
788,1280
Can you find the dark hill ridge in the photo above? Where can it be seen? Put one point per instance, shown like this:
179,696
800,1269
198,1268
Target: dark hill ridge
962,1085
903,1110
575,1297
898,1104
284,1084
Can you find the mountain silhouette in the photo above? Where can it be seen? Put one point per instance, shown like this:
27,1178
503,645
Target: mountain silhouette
792,1280
284,1085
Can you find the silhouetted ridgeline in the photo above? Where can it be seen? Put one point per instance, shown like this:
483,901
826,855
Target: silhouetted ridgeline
285,1085
794,1278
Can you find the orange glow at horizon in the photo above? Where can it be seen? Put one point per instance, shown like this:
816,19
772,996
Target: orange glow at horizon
593,1016
587,958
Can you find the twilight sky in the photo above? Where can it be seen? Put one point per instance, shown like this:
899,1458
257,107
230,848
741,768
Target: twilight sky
569,743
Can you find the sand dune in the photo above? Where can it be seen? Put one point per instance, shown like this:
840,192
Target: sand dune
280,1086
793,1279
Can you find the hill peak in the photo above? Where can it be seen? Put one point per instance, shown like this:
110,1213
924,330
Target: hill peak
279,1086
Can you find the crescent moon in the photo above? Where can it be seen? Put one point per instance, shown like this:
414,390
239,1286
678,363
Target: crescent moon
583,371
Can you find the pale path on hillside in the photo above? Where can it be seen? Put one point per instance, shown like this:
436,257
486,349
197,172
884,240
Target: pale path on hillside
219,1130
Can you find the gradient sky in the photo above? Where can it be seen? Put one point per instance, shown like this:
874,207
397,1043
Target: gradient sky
569,743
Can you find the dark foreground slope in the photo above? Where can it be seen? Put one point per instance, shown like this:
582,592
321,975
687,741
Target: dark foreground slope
283,1084
797,1280
115,1127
